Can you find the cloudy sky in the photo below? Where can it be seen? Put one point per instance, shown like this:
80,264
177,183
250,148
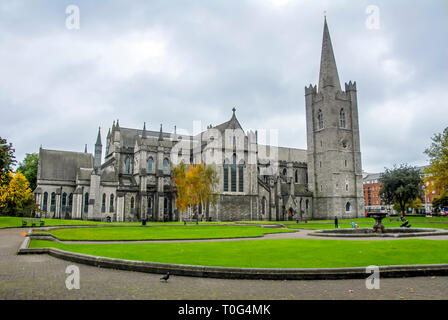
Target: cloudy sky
174,62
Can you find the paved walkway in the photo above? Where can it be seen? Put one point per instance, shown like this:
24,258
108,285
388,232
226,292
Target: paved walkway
43,277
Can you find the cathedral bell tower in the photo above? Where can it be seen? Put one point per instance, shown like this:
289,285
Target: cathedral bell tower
333,147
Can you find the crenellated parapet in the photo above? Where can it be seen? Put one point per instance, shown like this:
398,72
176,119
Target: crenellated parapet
351,86
311,90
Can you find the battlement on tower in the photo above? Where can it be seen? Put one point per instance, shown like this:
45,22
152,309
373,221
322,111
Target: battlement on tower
311,90
351,86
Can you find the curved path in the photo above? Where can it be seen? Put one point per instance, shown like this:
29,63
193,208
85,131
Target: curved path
43,277
299,234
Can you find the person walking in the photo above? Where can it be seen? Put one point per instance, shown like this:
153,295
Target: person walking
336,222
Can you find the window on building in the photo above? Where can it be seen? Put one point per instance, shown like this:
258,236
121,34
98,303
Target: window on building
149,205
346,187
348,207
345,163
127,165
284,172
165,205
233,174
86,202
132,205
44,204
166,166
241,176
296,176
53,202
342,118
150,165
103,203
263,205
64,202
70,202
111,203
226,176
320,119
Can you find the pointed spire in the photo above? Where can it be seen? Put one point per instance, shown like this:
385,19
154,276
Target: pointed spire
98,138
85,149
117,126
144,136
108,133
328,75
160,134
233,110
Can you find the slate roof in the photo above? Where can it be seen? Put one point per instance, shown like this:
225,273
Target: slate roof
62,165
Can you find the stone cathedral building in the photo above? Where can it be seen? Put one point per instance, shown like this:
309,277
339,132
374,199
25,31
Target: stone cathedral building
256,182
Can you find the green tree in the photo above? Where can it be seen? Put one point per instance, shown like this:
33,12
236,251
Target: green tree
7,160
440,202
29,168
400,185
437,171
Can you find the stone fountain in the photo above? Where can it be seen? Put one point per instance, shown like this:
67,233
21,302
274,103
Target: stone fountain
378,216
379,230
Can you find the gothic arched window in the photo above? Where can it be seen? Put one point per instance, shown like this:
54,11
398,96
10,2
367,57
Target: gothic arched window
348,206
342,118
86,202
263,205
166,166
149,206
103,203
70,202
241,176
226,175
132,205
111,203
53,202
296,177
44,205
64,202
320,119
127,165
233,174
150,165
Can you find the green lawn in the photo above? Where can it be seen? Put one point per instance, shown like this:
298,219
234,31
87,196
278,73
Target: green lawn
154,233
288,253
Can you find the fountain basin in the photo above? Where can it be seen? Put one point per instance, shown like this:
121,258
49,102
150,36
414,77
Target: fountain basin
389,232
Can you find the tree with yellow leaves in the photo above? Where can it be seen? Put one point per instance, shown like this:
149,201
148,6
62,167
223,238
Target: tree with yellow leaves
195,186
15,197
437,172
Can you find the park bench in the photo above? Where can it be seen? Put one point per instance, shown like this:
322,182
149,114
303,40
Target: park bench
191,220
33,222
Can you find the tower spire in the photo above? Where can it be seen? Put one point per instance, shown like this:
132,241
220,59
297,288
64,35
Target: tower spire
144,130
328,75
98,150
160,134
98,138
